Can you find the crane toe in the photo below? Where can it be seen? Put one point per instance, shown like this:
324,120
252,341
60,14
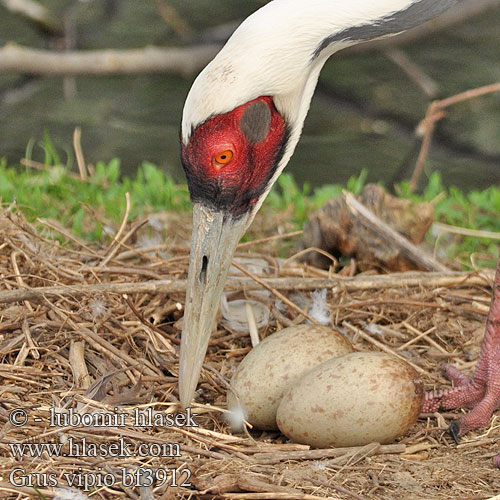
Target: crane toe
481,392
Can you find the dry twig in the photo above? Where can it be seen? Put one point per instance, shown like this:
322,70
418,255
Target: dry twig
85,332
435,112
336,284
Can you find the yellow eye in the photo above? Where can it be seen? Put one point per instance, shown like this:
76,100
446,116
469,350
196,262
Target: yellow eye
223,158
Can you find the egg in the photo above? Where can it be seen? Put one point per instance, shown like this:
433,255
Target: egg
352,400
277,363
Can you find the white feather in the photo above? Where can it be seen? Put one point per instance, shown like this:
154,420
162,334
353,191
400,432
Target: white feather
69,494
272,54
319,466
319,309
236,417
97,308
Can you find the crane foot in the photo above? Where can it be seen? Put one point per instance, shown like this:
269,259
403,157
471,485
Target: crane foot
481,392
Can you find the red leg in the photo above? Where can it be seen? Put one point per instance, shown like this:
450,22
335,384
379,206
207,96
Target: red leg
482,391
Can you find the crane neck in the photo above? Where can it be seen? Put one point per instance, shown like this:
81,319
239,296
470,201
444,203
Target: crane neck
279,50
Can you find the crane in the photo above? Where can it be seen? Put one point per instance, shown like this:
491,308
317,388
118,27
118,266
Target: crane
241,122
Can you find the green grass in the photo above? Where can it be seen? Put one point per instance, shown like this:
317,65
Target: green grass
53,193
88,207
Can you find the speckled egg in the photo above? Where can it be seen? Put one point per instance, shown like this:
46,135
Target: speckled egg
277,363
352,400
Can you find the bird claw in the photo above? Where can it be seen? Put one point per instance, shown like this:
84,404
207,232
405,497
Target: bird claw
454,430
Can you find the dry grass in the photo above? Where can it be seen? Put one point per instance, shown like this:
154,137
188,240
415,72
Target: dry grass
95,352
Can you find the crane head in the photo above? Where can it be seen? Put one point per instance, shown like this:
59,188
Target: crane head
229,162
230,158
241,122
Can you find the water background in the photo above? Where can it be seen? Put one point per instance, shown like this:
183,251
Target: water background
363,115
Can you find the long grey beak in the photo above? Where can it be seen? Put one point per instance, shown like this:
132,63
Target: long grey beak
214,239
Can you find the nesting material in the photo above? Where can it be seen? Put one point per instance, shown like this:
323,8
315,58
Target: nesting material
276,364
129,354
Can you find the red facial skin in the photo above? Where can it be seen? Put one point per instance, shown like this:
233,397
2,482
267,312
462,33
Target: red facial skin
237,185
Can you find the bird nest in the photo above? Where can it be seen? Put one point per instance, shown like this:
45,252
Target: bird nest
96,330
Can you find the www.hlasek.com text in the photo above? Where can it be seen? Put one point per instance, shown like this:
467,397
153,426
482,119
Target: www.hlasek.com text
84,448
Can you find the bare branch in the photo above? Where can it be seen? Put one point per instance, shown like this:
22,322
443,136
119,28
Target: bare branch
34,12
172,19
414,72
336,284
435,112
188,60
184,61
